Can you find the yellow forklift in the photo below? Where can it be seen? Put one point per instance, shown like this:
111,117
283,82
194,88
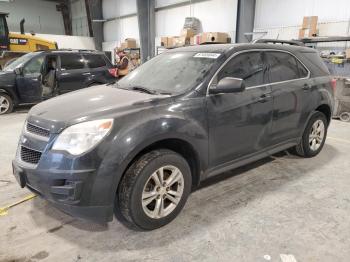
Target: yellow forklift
13,45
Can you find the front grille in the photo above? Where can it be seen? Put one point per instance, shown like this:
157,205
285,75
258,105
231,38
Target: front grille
37,130
29,155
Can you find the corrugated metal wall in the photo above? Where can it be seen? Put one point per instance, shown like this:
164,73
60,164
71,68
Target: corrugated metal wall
282,19
215,15
80,25
41,16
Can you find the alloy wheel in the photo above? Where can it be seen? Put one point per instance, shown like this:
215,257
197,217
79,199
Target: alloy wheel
316,135
4,104
162,192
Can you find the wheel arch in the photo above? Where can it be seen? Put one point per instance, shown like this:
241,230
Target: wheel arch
178,145
326,110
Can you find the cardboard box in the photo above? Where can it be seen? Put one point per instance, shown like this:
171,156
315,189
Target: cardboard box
347,56
307,33
128,43
180,41
164,41
214,37
309,27
310,22
188,33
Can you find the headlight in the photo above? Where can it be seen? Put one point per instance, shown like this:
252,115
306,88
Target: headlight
80,138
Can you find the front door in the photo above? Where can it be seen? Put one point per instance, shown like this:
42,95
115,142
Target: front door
291,91
239,123
29,81
72,73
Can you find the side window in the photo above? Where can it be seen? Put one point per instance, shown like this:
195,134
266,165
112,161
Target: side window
302,70
94,61
284,67
247,66
34,66
72,61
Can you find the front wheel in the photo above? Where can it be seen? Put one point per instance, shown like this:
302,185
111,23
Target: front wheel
154,190
314,136
6,104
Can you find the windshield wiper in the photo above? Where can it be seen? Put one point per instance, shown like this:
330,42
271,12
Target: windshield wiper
144,90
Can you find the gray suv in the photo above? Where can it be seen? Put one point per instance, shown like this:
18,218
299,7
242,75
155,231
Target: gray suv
138,148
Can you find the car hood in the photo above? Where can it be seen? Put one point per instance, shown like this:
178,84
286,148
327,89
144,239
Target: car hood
89,104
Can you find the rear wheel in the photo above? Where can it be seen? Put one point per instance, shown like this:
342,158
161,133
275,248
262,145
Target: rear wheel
6,104
345,117
154,190
314,136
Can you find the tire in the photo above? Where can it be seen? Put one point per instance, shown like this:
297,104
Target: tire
138,187
345,117
6,104
313,138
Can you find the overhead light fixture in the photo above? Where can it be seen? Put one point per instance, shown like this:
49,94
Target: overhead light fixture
99,20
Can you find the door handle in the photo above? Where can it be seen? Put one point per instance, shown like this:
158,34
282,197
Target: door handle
264,98
306,87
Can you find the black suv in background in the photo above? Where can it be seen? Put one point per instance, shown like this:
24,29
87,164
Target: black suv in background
138,147
40,75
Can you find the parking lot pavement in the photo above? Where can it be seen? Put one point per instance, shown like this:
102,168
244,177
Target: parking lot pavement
279,208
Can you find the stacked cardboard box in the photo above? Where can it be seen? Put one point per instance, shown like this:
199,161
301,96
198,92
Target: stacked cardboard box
347,54
309,27
128,43
210,37
177,41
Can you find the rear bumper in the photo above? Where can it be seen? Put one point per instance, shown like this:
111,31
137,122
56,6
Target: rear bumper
68,190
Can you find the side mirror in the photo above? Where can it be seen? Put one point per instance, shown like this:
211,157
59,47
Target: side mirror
228,85
18,71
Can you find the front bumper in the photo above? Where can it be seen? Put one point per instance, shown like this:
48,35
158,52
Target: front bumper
69,190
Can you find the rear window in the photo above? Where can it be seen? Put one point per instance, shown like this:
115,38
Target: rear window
95,61
314,61
72,61
284,67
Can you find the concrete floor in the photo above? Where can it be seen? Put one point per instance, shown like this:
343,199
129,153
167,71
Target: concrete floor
283,208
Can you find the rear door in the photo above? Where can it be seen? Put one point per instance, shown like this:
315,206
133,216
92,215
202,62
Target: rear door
29,82
99,73
72,72
291,92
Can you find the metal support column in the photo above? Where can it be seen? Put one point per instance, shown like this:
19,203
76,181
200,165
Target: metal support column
245,19
146,21
96,17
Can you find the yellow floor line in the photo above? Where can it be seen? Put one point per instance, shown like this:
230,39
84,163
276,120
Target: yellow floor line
4,210
339,139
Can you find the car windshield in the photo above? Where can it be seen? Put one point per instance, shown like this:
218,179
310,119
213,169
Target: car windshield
170,72
19,62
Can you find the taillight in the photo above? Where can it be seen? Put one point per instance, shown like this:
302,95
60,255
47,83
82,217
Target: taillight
334,84
113,72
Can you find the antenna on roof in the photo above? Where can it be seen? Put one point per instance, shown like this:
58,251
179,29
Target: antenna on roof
250,36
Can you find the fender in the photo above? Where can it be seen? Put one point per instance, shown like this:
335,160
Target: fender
129,142
11,94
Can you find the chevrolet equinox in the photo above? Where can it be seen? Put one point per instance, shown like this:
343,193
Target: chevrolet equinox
136,148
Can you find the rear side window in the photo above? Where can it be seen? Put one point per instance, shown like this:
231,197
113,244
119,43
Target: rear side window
247,66
94,61
284,67
72,61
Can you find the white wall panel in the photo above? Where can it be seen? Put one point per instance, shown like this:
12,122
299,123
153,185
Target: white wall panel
215,15
278,13
41,16
114,8
74,42
118,30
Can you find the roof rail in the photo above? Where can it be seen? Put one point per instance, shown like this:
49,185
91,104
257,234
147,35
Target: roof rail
275,41
70,49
